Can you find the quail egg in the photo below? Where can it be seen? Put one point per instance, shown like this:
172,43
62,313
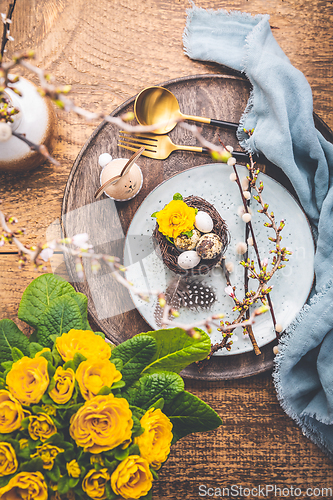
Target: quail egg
183,242
203,222
188,259
209,246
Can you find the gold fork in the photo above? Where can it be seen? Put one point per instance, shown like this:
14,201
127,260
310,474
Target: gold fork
160,147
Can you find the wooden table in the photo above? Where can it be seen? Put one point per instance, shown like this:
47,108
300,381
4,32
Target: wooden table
108,51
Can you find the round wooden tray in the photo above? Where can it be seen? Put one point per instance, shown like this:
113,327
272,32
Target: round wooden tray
221,97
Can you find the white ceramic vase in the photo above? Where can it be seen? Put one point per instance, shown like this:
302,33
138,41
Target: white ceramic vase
37,120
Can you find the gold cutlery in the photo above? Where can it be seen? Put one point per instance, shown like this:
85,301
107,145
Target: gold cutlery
157,105
160,147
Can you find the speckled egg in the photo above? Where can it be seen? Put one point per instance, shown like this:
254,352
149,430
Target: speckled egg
209,246
188,259
203,222
183,242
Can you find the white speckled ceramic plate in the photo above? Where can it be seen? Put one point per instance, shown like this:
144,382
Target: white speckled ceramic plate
292,284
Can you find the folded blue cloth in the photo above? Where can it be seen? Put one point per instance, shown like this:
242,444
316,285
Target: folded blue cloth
280,110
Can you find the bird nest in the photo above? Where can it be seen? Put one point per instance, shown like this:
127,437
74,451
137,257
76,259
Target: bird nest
169,253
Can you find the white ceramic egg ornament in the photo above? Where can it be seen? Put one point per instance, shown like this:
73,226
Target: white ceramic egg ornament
188,259
203,222
128,186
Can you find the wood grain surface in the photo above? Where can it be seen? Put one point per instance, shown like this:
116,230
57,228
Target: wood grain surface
108,51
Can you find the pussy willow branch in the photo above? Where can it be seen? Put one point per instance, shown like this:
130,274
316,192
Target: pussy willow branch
249,227
263,276
207,322
40,148
117,270
6,28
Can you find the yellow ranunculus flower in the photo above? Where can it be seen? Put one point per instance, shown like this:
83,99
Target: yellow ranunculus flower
132,478
175,218
28,379
94,374
8,460
64,385
73,469
155,442
41,427
11,413
49,409
25,485
94,483
86,342
102,423
47,452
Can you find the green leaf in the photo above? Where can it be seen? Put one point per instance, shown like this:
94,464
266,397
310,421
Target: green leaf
189,414
135,354
121,454
63,485
118,385
155,386
177,196
137,430
7,365
170,240
39,295
176,350
59,317
117,363
36,464
11,336
78,359
82,302
196,211
137,412
34,348
158,404
134,449
189,234
54,473
16,354
154,214
104,391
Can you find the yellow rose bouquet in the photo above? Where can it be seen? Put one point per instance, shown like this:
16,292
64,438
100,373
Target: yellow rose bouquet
81,418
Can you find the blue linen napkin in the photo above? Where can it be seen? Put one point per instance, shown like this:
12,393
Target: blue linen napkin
280,110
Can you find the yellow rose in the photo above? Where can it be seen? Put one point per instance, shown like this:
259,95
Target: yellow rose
102,423
92,375
73,469
41,427
132,478
94,483
8,460
86,342
11,413
28,379
155,442
47,452
64,385
175,218
25,486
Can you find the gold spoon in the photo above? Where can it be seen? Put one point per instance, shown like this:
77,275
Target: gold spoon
124,171
157,105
